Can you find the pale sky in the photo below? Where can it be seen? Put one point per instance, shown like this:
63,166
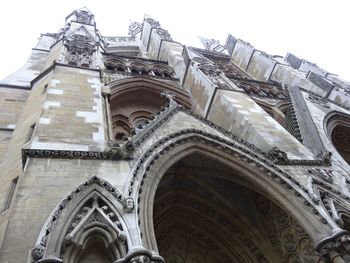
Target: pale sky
310,29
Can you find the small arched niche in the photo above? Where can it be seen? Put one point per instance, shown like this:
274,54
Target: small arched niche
341,140
338,129
200,215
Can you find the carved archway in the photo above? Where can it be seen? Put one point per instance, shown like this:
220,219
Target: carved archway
86,226
200,216
244,172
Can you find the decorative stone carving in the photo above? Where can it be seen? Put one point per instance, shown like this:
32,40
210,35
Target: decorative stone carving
128,204
95,213
114,152
38,252
154,23
326,157
318,100
210,42
212,72
80,48
164,34
103,210
322,173
285,234
84,17
136,66
329,203
134,28
337,245
120,151
141,255
170,97
140,259
277,156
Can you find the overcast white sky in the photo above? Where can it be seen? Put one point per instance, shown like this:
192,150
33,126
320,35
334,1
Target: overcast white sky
315,30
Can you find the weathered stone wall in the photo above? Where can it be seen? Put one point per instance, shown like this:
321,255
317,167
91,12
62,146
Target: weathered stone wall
72,116
11,161
44,183
11,106
238,113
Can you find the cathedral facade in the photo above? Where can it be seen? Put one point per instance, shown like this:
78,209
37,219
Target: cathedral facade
140,149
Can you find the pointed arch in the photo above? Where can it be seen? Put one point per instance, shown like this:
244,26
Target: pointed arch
91,213
252,170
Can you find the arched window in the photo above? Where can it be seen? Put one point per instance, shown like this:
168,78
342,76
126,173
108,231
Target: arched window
341,140
337,126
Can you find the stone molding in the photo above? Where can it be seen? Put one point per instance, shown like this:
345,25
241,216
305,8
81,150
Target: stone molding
290,122
124,151
113,152
270,170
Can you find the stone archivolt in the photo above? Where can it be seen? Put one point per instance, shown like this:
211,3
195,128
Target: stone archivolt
182,210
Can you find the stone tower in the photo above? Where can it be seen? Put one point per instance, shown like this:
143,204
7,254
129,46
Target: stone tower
140,149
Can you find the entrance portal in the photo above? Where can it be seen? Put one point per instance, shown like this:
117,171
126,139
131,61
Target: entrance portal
206,212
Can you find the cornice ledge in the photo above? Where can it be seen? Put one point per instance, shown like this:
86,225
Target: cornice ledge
113,152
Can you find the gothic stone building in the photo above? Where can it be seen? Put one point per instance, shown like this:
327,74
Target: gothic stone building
140,149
